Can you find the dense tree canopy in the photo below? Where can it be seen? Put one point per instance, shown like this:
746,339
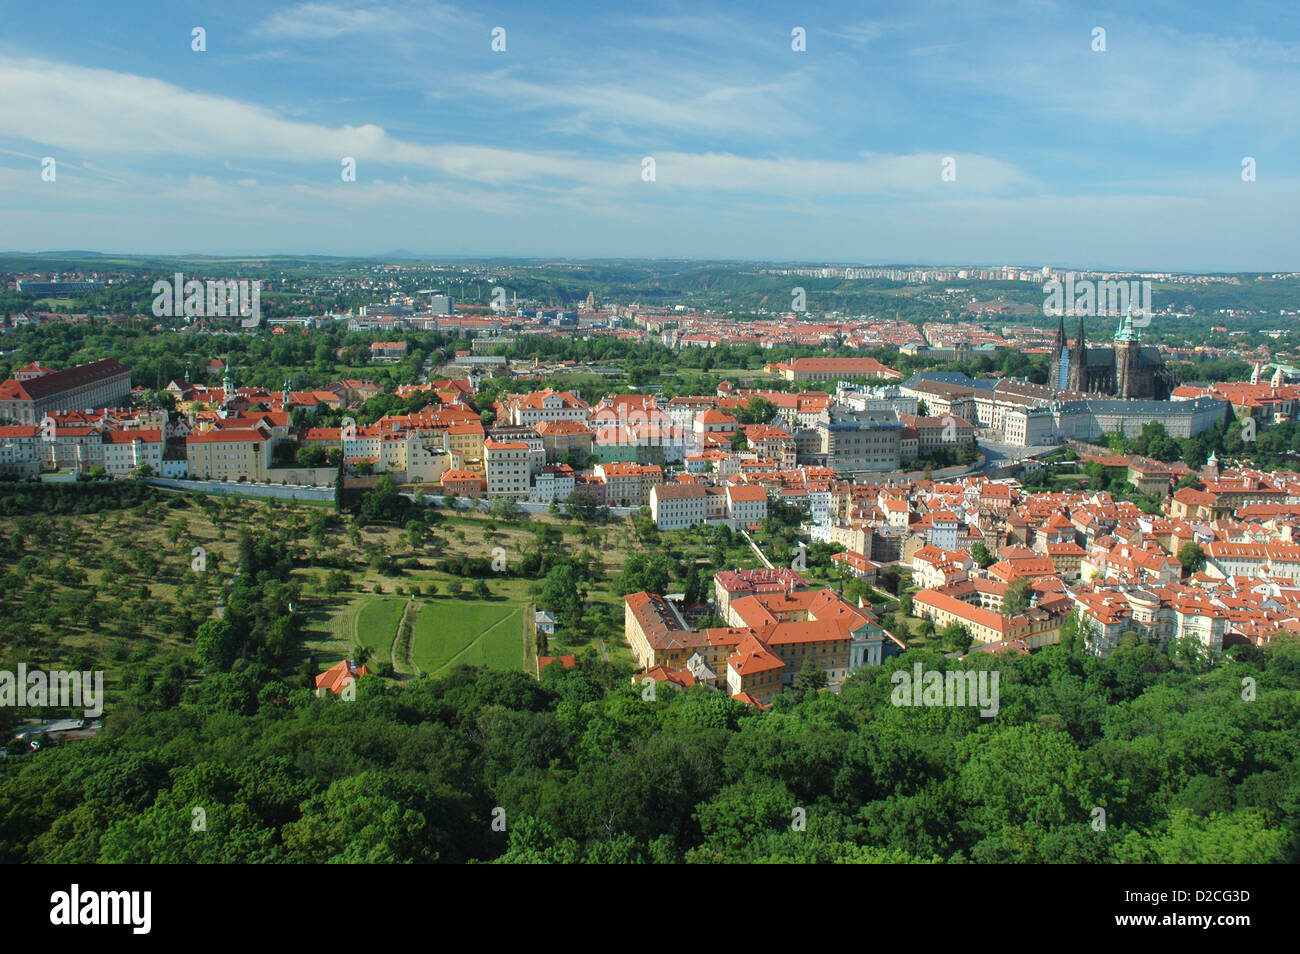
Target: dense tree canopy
583,767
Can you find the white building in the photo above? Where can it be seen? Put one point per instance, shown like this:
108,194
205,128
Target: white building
746,505
553,483
678,506
508,469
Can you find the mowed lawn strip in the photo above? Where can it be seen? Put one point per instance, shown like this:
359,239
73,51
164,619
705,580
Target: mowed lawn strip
470,632
377,621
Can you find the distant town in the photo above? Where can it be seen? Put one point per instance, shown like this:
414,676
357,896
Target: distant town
1002,509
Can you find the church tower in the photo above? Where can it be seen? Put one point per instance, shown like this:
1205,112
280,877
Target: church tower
1078,380
1126,356
228,389
1254,374
1060,358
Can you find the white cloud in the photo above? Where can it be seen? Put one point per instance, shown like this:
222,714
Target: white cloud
327,21
93,111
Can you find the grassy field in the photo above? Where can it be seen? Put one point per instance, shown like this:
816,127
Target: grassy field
138,582
468,632
376,623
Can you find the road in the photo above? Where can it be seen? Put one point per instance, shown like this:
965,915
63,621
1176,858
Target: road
1000,454
754,546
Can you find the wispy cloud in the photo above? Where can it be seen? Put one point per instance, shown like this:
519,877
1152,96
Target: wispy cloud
328,21
90,111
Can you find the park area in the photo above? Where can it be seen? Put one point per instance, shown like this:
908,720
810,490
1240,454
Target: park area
467,632
445,632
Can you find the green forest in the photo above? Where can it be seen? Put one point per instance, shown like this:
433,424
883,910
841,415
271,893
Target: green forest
1134,759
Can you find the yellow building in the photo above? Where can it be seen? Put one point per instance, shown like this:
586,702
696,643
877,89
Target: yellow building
229,455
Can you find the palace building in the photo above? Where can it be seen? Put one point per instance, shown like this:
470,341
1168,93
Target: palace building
27,399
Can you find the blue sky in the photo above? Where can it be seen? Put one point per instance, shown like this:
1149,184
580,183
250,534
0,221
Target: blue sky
1128,158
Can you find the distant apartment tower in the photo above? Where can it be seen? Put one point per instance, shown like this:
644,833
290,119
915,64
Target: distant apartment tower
28,287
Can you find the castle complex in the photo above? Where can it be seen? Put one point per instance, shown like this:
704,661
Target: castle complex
1128,369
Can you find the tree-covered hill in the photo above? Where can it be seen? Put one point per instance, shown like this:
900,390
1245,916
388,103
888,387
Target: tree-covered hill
493,766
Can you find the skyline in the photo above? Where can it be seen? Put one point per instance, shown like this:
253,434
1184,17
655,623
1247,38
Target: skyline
762,153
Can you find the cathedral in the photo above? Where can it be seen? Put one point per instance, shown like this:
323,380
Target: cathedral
1128,369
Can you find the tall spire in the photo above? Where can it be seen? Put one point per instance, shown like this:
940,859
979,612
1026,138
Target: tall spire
1126,332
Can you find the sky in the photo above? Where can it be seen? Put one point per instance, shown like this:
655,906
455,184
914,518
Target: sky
1056,151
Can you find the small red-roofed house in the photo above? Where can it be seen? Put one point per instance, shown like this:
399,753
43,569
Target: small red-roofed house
339,676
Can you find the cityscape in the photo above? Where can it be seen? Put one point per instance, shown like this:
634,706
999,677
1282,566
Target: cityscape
665,533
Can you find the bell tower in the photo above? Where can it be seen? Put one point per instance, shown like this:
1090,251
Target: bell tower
1126,355
1060,356
1078,380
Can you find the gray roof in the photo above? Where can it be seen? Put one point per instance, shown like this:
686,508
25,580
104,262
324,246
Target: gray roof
941,377
1139,408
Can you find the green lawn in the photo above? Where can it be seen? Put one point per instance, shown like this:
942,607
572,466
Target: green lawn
472,632
376,623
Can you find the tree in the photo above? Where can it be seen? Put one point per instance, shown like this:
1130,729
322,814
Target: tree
954,638
652,573
968,453
1017,597
759,410
583,507
981,555
696,590
810,676
311,455
382,502
1072,632
1192,557
643,525
215,645
505,508
563,596
1096,472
